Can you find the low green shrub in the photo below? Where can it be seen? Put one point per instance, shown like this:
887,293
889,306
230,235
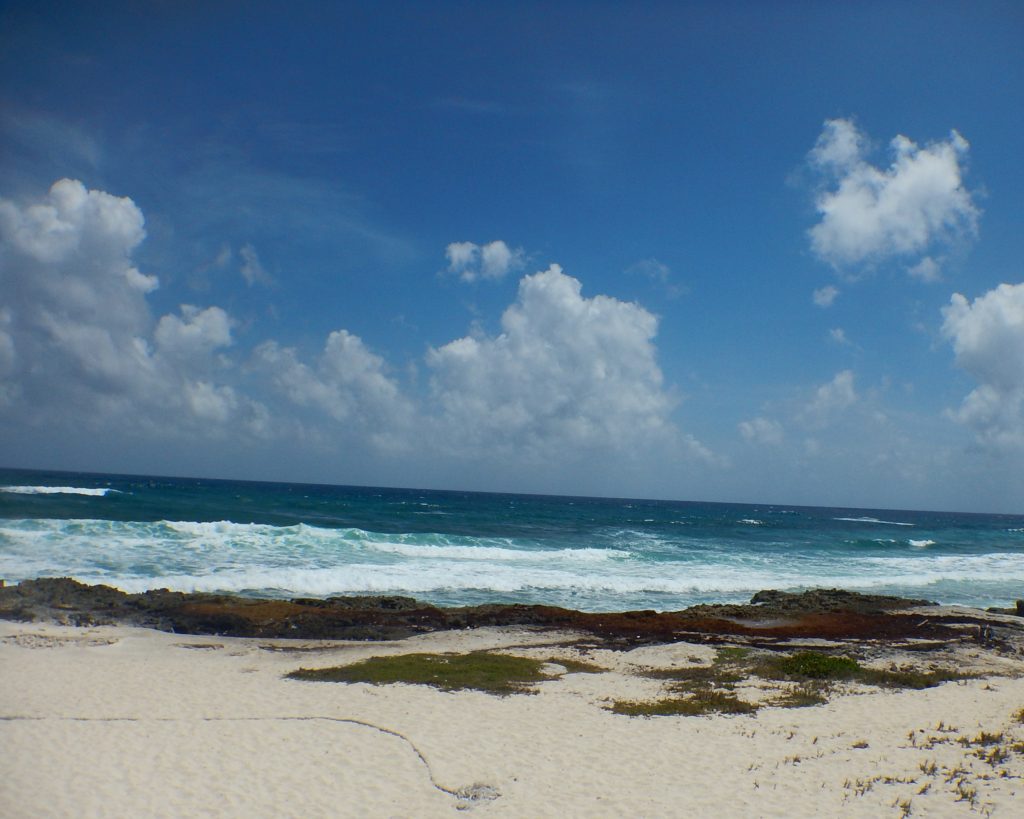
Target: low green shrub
803,696
809,665
706,701
910,678
573,666
478,670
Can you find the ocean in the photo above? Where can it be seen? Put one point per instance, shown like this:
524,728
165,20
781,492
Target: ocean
458,548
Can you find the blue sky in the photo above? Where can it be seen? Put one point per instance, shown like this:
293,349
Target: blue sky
764,252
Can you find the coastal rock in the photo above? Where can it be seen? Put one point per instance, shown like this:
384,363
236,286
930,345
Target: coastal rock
771,616
1016,611
831,600
62,600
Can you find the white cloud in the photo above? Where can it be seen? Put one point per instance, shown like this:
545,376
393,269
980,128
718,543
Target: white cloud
825,296
927,270
761,431
838,335
78,338
348,384
870,214
196,334
840,146
830,399
570,380
493,260
567,372
988,341
211,403
75,302
252,269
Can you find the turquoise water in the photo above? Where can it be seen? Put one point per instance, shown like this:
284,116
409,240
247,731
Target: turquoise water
451,548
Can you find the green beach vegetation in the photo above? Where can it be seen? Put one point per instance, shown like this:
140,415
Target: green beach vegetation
710,689
487,671
700,701
691,691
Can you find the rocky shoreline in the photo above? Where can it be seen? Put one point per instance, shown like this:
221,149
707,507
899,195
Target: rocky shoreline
770,617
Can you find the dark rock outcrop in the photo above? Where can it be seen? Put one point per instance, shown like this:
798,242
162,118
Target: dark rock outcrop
772,615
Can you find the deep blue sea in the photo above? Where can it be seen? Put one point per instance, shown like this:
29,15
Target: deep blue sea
451,548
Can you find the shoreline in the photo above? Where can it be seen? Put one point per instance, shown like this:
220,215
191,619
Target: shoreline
119,720
770,616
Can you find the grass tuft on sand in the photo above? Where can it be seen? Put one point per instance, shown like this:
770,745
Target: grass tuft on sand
703,701
807,666
492,673
805,695
574,666
709,689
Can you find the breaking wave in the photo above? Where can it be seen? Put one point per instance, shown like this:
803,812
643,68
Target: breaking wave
875,520
57,490
629,572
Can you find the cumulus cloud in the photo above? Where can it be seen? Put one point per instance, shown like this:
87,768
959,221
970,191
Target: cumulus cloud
566,372
988,342
77,331
493,260
825,296
869,214
211,403
76,303
196,334
569,379
348,383
840,146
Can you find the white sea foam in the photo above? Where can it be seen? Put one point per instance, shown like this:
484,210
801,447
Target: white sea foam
875,520
752,522
56,490
498,553
419,578
422,545
317,561
201,549
922,544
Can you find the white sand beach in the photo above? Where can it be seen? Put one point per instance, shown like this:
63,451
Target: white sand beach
129,722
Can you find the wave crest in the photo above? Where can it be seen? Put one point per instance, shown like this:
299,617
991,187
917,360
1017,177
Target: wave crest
874,520
57,490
